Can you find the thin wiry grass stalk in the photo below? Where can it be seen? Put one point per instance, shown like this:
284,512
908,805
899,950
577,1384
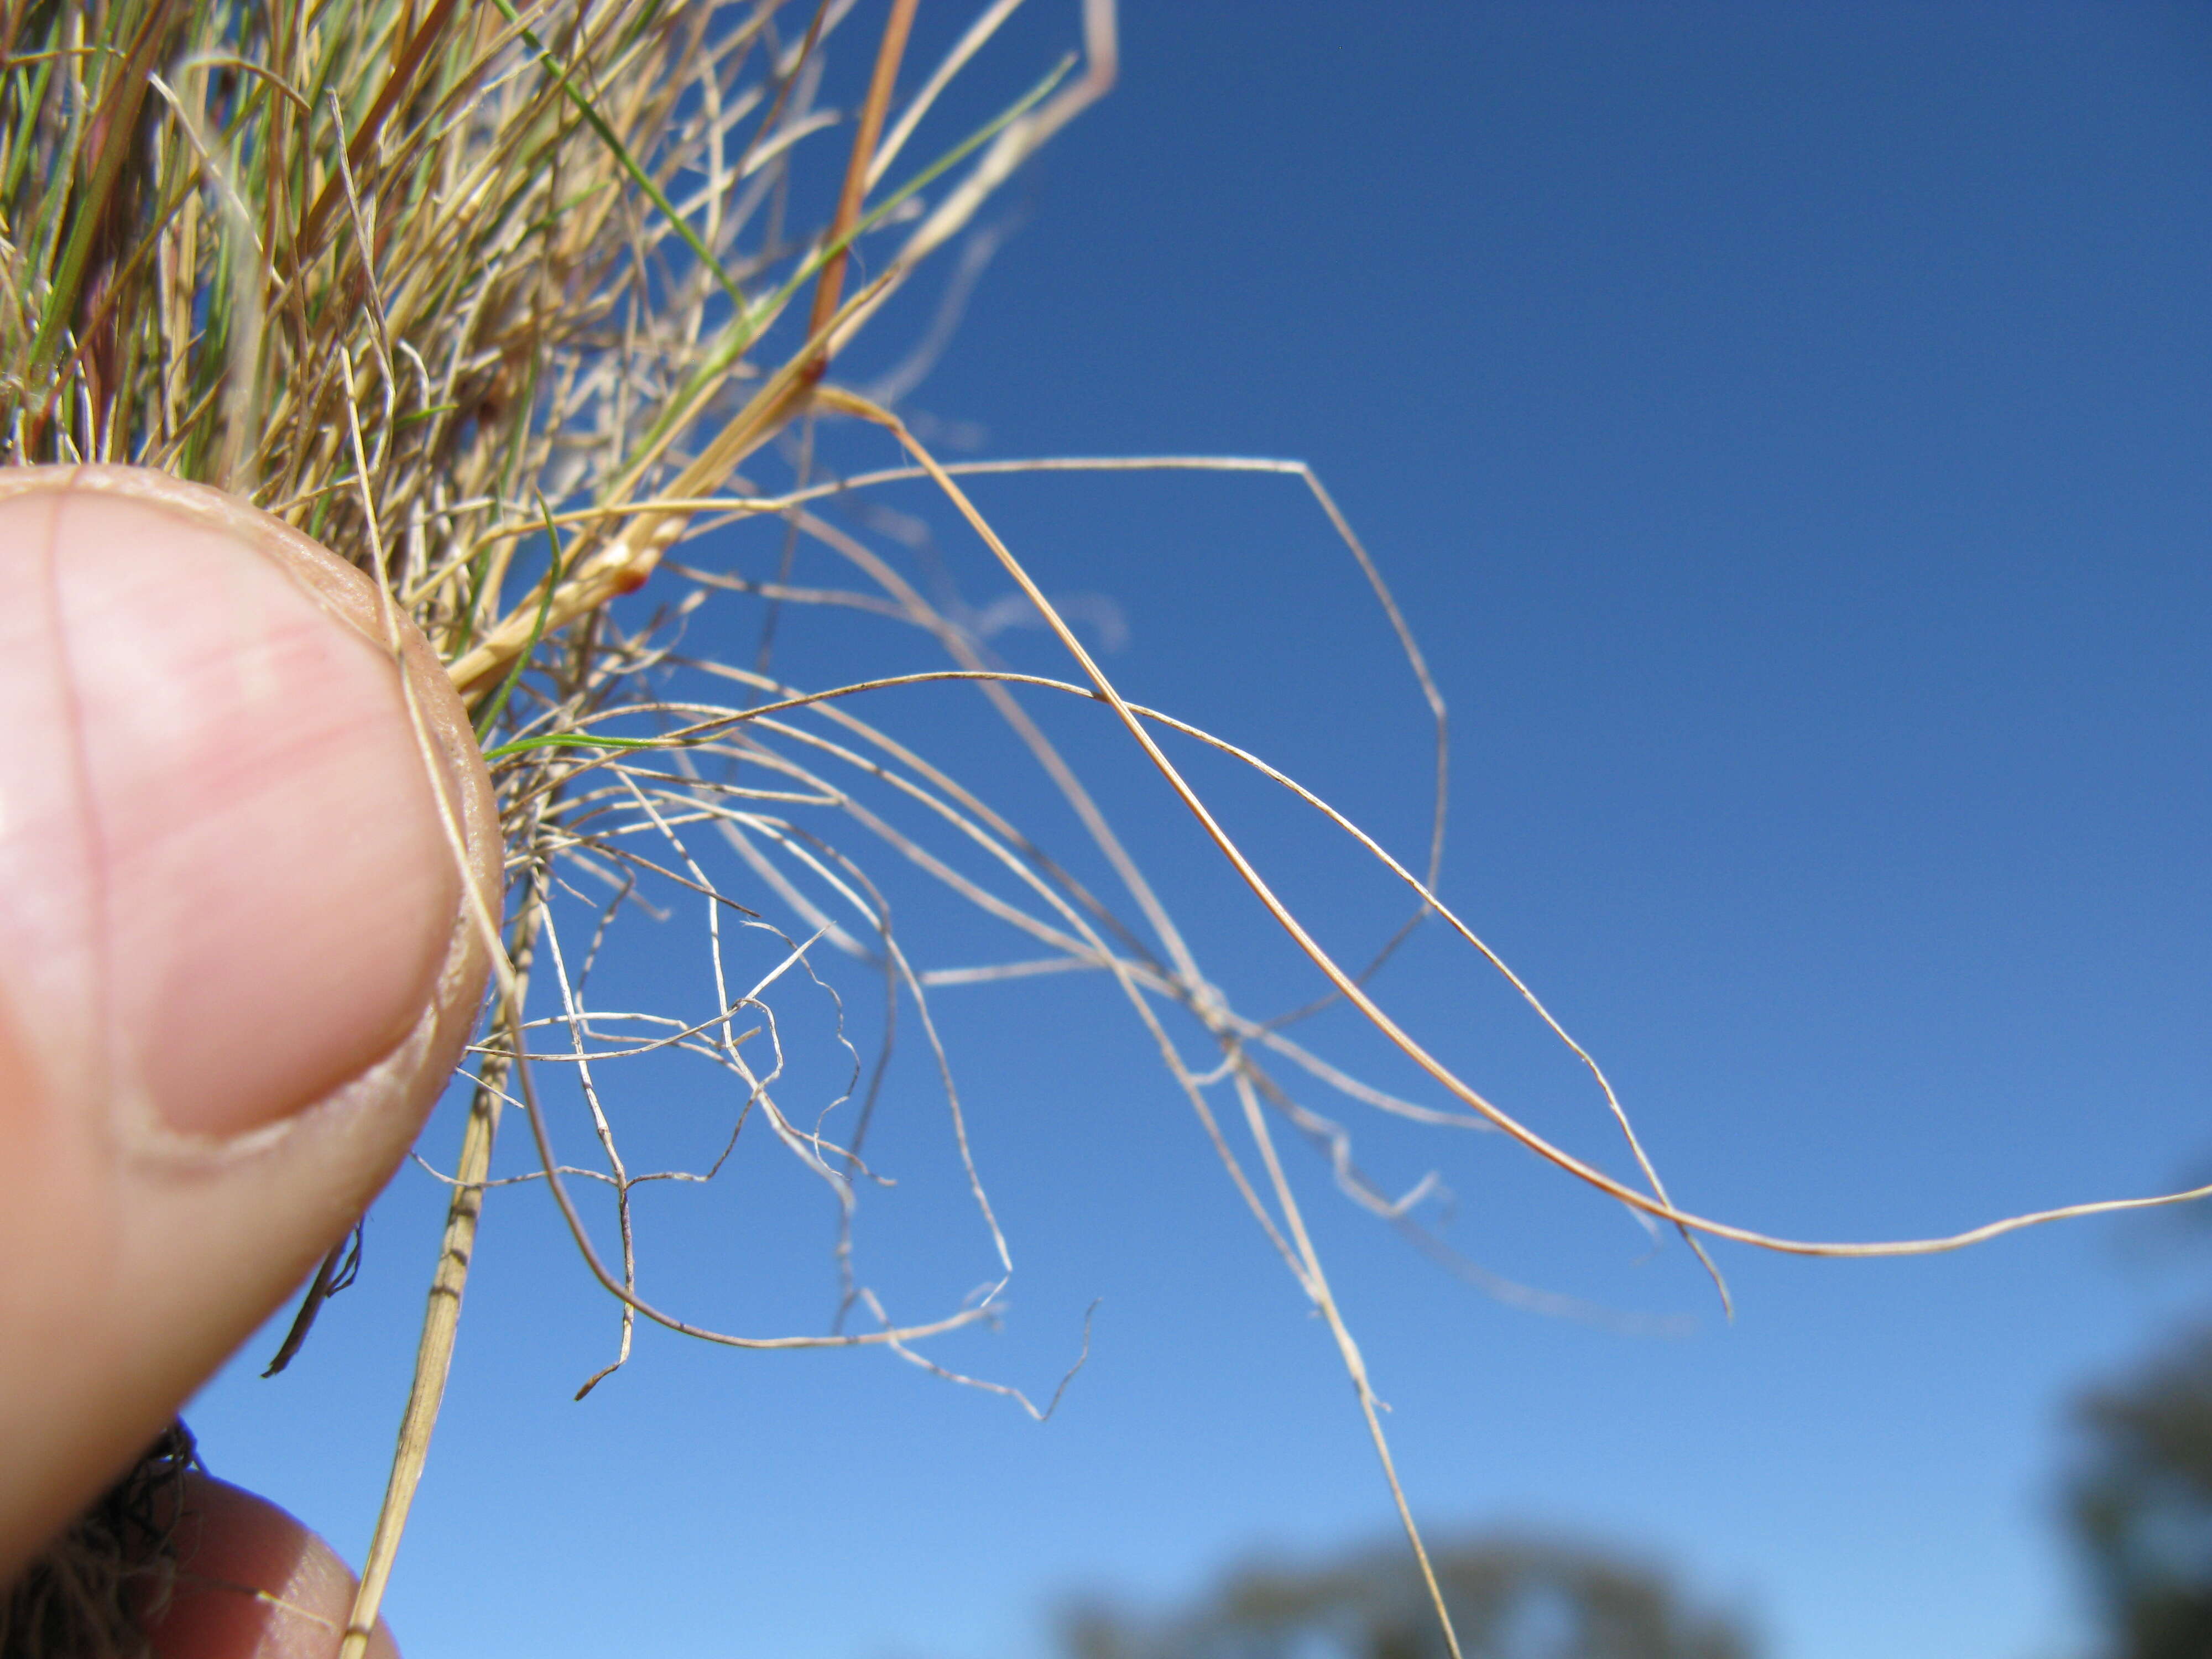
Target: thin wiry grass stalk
434,1356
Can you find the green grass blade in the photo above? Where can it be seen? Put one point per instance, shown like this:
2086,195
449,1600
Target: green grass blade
570,740
488,722
620,151
747,326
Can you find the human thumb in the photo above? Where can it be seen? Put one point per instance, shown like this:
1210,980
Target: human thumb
241,815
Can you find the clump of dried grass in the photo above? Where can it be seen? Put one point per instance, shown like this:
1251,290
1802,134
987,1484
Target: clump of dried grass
498,304
446,286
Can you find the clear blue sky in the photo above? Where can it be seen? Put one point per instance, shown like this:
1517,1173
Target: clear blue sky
1789,429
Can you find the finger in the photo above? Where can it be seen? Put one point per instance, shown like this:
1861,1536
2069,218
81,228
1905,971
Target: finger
252,1583
239,810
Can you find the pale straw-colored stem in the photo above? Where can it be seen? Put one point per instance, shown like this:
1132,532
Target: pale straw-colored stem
441,1319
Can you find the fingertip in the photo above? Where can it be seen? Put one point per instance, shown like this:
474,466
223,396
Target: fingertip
251,1582
266,812
248,860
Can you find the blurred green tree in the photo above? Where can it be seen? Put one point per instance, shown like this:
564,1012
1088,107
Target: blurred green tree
2141,1506
1509,1599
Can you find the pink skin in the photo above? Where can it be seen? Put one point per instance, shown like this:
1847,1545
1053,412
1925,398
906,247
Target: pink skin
254,1581
240,812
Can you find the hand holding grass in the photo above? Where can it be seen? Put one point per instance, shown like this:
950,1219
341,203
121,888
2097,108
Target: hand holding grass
239,807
